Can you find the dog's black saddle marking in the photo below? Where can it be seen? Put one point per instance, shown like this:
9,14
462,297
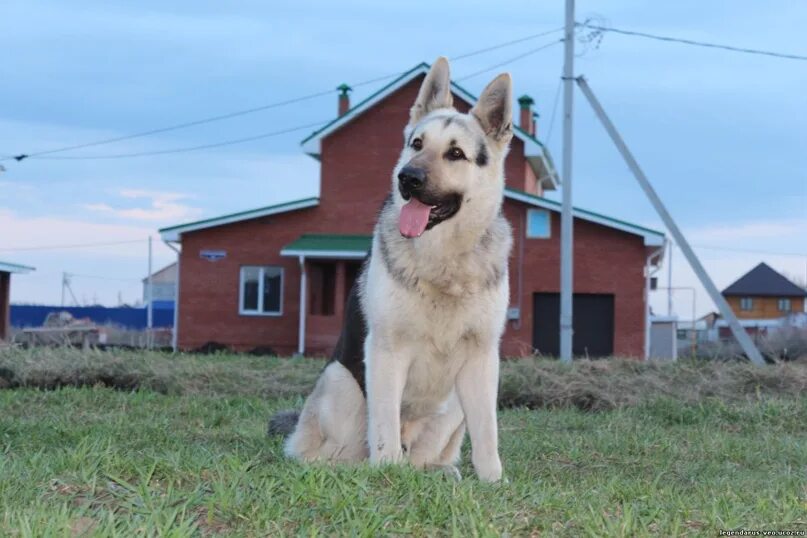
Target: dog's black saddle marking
349,350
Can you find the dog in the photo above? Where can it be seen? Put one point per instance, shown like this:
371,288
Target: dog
417,361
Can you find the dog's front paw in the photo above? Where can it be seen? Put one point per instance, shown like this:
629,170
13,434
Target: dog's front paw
489,471
448,470
382,456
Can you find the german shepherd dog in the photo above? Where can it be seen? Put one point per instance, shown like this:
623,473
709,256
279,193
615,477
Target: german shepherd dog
418,358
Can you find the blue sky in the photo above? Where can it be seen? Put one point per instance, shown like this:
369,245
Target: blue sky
721,135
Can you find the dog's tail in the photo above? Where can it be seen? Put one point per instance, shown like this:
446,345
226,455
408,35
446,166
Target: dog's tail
283,423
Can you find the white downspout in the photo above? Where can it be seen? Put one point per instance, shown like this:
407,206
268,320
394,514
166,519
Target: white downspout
301,336
175,332
648,275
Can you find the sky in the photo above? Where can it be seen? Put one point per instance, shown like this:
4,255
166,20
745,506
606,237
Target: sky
721,135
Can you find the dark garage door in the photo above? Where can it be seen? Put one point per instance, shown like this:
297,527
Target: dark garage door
593,324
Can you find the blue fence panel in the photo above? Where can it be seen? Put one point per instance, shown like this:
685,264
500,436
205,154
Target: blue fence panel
23,316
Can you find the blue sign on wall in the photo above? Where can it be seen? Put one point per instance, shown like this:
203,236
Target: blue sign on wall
213,255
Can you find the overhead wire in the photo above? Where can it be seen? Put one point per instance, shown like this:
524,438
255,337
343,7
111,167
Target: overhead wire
251,110
693,42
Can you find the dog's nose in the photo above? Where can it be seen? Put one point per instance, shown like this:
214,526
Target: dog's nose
411,178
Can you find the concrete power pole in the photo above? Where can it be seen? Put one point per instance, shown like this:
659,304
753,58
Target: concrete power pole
566,219
150,306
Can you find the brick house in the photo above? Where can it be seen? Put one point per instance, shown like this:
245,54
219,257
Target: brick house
6,269
278,276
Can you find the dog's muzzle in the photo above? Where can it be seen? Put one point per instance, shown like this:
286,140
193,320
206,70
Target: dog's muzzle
411,180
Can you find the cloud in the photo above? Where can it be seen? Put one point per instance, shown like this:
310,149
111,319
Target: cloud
27,233
163,207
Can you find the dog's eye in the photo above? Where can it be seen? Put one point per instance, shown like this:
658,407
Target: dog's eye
417,144
455,154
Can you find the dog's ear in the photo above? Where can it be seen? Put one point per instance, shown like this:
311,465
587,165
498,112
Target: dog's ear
435,92
494,110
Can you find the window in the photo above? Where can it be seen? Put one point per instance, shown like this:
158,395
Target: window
539,224
261,291
746,303
784,305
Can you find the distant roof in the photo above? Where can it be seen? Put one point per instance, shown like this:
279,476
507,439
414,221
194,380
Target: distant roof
763,280
652,238
532,146
6,267
173,233
343,246
170,267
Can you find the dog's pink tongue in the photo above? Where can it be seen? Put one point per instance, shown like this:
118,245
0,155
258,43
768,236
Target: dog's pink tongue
414,218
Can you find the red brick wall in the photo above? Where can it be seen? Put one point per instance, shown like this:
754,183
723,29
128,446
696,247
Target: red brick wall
356,168
605,261
357,160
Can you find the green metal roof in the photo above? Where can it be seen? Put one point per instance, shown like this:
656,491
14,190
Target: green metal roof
323,245
584,214
172,233
367,99
7,267
398,80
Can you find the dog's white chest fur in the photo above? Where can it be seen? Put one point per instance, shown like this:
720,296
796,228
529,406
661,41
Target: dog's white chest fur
432,307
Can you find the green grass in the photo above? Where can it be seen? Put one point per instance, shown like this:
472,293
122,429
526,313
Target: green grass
96,461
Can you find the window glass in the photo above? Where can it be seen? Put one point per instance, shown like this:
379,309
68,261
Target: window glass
250,281
272,289
538,223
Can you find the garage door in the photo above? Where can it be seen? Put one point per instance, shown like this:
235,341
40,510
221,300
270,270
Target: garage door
593,324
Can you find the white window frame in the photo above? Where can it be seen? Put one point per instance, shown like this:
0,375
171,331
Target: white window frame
782,301
261,276
548,221
743,303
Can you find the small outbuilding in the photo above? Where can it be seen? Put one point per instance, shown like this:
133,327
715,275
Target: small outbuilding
6,269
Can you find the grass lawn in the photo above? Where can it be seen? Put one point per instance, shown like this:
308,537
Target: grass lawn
96,461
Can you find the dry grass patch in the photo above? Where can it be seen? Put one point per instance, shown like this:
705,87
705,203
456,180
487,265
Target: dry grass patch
532,382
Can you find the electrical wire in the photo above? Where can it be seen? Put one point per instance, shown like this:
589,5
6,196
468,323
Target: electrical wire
694,42
511,60
83,245
554,110
252,110
187,148
751,251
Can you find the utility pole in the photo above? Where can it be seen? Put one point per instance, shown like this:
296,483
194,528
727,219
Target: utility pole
149,306
740,335
566,218
670,246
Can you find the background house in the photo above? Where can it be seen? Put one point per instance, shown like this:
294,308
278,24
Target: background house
763,300
6,269
163,287
278,276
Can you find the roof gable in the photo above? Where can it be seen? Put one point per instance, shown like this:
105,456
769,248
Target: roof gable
762,280
173,233
652,238
312,145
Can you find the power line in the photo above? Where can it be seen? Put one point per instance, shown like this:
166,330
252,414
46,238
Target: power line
554,110
83,245
511,60
695,43
507,44
237,113
188,148
263,135
752,251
